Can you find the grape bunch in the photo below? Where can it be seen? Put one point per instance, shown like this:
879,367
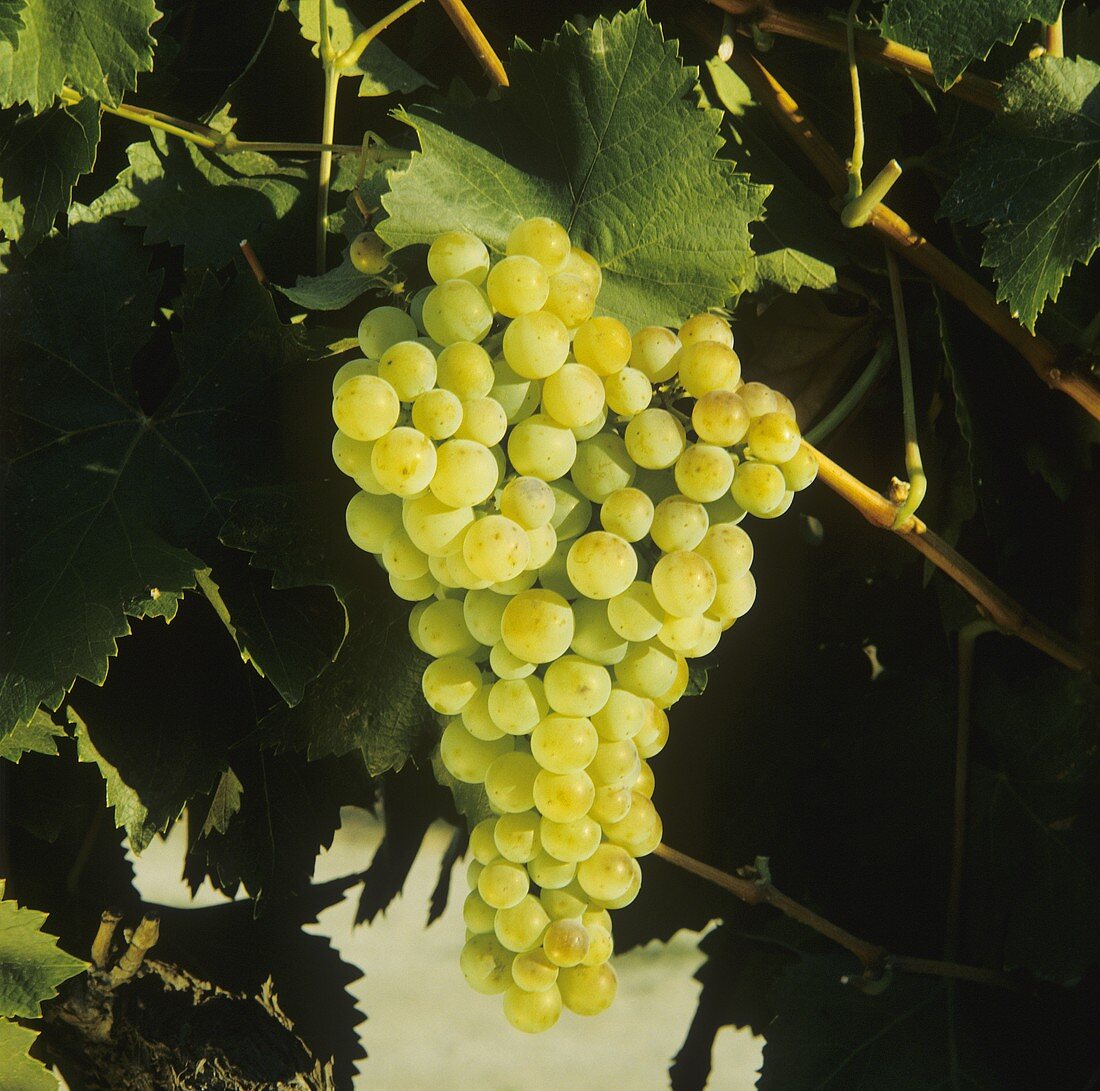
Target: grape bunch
561,500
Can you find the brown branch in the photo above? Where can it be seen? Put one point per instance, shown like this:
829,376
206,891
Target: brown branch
873,958
911,62
476,40
253,261
911,245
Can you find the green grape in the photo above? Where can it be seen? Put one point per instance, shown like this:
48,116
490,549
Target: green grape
352,456
487,964
646,741
403,461
553,575
458,255
565,942
684,583
799,471
415,614
588,990
416,307
706,327
465,474
733,600
367,253
366,407
658,485
537,626
646,669
655,439
570,298
540,238
409,367
475,716
434,527
413,590
571,841
774,437
372,519
758,487
359,366
519,397
506,666
483,421
635,614
628,392
528,501
680,634
560,904
517,704
481,613
576,687
581,263
653,351
622,717
438,414
532,1012
645,783
720,417
707,365
564,744
678,523
728,550
503,884
572,511
704,472
627,512
601,946
640,832
594,426
536,344
449,683
563,797
468,759
606,874
524,581
759,399
495,548
549,873
401,558
601,565
520,927
603,344
479,917
615,764
517,285
572,395
382,327
602,465
365,478
726,510
483,846
543,542
516,836
780,508
466,370
540,447
473,872
632,890
457,311
611,803
533,972
593,637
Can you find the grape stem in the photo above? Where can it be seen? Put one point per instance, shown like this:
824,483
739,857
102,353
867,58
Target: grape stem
253,261
855,164
993,603
476,40
855,393
1052,38
753,889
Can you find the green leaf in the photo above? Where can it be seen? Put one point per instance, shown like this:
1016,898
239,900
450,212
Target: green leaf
631,172
18,1070
382,70
96,46
1034,179
955,32
224,804
11,21
40,160
31,963
36,736
330,291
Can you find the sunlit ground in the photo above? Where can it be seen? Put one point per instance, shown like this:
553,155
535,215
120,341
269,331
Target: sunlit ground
427,1031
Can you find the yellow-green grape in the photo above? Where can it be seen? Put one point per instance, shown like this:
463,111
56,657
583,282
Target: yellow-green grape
543,542
540,447
478,916
528,501
611,803
416,306
780,508
774,437
678,523
481,614
506,666
465,474
403,461
627,512
517,704
571,841
550,873
628,392
564,744
382,327
799,471
415,614
537,626
487,964
435,528
457,311
532,1012
684,583
540,238
368,253
758,487
473,872
482,420
570,298
581,263
352,456
594,426
458,255
606,874
519,397
503,884
601,565
587,990
438,414
520,927
572,511
704,472
553,575
576,687
648,744
720,417
475,716
563,797
759,399
635,614
706,327
707,365
565,942
655,439
728,550
401,558
466,370
602,465
372,519
645,783
423,587
733,600
468,759
366,407
622,717
593,636
525,580
561,904
681,634
640,832
615,764
653,352
536,344
656,484
533,972
364,476
495,548
510,780
601,945
409,367
517,285
572,395
603,344
726,510
647,669
449,683
516,836
359,366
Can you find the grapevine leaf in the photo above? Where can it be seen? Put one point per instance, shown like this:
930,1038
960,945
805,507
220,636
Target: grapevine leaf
598,130
95,46
37,735
11,22
224,804
18,1070
1034,179
330,291
40,160
382,70
956,32
31,964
